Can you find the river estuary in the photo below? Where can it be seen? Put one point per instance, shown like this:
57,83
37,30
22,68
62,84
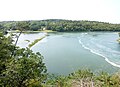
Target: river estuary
66,52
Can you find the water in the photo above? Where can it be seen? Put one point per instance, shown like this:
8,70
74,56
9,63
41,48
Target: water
26,38
104,45
67,52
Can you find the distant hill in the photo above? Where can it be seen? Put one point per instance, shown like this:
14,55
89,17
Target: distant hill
62,25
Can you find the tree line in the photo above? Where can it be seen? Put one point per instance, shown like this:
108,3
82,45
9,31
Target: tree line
62,25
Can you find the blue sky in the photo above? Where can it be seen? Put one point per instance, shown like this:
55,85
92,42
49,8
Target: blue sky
93,10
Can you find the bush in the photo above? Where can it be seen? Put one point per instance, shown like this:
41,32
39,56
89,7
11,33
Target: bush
21,69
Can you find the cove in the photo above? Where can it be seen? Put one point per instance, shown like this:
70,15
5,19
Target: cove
65,52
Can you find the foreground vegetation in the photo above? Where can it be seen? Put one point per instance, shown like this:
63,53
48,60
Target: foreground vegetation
85,78
20,67
62,25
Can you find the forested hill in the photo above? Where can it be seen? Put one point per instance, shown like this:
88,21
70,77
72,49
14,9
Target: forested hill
62,25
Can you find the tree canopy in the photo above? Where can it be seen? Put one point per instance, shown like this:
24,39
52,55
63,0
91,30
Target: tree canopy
23,68
63,25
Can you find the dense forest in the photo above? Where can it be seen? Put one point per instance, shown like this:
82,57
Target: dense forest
62,25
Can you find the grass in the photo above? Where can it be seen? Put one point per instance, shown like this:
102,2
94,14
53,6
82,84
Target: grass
17,31
118,40
36,41
48,31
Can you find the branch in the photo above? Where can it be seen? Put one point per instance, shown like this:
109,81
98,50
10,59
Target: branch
13,52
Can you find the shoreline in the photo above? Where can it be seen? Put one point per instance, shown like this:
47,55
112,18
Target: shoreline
36,41
106,59
77,57
43,31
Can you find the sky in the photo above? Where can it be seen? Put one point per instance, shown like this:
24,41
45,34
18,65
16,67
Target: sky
92,10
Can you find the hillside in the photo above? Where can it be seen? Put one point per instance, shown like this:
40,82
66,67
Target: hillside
62,25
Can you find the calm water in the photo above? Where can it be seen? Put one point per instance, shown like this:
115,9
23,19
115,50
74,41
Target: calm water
66,52
26,39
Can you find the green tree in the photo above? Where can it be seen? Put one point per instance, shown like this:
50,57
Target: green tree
21,26
6,48
25,69
22,69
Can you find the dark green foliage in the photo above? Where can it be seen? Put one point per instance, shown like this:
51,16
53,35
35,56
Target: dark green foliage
1,27
6,48
64,25
23,69
22,25
57,81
